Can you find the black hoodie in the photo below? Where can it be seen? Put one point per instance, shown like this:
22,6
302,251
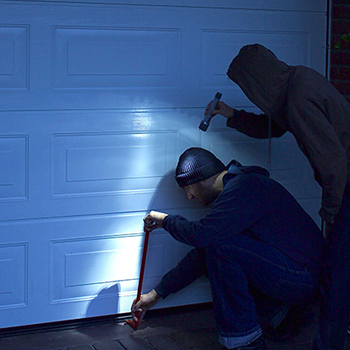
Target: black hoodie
300,100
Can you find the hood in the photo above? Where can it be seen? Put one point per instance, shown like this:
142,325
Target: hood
235,168
262,77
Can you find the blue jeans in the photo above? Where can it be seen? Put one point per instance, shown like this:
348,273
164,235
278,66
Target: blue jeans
242,262
335,290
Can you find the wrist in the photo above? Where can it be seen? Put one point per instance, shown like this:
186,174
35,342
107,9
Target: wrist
163,217
154,296
159,218
232,114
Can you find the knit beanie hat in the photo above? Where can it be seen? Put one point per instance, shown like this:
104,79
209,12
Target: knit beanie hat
197,164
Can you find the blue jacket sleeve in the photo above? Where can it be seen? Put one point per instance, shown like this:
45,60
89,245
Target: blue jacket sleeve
234,211
191,267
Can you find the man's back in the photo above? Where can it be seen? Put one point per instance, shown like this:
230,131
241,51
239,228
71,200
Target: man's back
253,204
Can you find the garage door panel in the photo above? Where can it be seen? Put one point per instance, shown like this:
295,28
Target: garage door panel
152,57
248,4
108,162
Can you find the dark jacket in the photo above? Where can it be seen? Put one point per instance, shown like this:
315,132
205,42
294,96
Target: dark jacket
302,101
250,204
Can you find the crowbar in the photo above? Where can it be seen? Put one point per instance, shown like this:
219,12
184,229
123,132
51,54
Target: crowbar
131,322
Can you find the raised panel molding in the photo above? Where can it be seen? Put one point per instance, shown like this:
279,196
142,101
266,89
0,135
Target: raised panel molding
13,275
14,58
87,164
14,167
221,46
116,58
106,262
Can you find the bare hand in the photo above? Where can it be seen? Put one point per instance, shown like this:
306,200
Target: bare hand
139,309
221,108
153,220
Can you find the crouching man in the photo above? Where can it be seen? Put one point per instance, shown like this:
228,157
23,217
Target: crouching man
260,250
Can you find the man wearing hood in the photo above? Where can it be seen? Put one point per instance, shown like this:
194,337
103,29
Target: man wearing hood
300,100
260,250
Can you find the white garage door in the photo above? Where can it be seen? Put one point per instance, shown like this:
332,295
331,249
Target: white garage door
97,101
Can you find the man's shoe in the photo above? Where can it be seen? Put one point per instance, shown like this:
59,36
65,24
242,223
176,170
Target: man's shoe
257,344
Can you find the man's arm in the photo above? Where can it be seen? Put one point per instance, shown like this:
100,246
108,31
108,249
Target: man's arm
190,268
254,125
250,124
